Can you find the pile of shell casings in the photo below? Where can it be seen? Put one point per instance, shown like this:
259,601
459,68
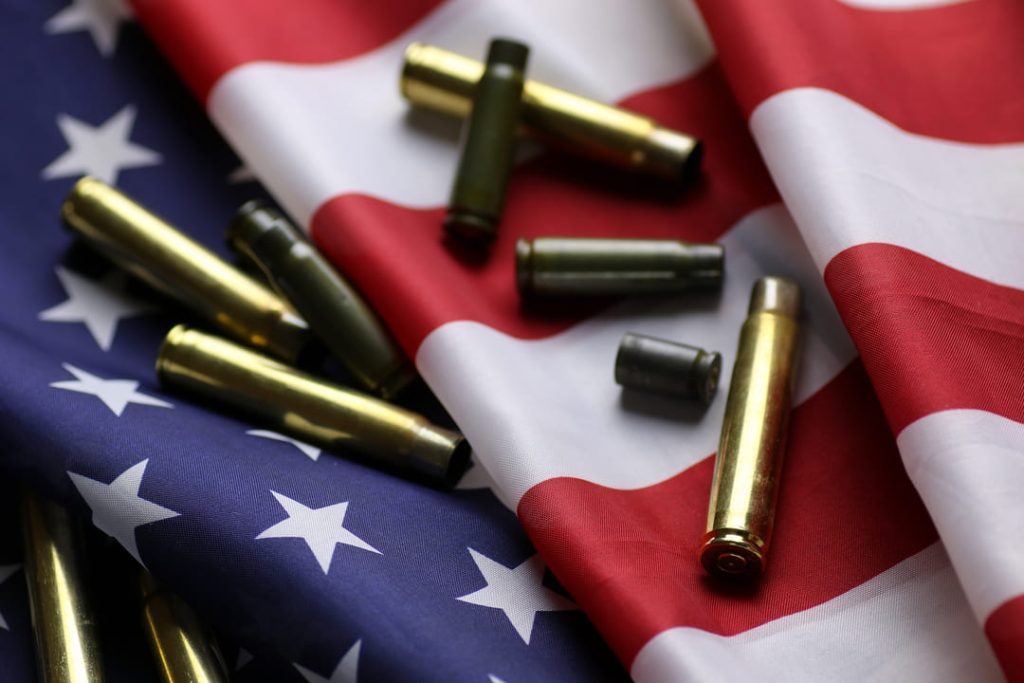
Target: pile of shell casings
277,393
63,610
498,102
307,303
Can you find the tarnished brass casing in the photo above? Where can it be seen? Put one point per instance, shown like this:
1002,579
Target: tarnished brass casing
488,144
438,79
574,266
67,641
159,254
184,648
332,417
664,367
334,310
750,453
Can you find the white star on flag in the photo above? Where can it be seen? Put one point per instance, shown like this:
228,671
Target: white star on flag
311,452
518,592
345,672
97,304
101,18
5,573
100,151
320,528
116,394
494,679
117,508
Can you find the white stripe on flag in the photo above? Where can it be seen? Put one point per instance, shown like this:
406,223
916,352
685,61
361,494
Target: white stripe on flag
547,408
909,623
968,466
850,177
311,132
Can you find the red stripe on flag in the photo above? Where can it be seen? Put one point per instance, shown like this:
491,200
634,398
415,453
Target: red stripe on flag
943,72
846,513
395,254
1004,629
204,39
932,337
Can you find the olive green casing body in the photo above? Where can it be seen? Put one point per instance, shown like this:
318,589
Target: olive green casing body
488,145
332,308
567,267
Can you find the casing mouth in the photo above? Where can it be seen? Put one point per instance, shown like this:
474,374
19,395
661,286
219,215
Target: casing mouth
508,52
778,295
441,456
470,226
254,218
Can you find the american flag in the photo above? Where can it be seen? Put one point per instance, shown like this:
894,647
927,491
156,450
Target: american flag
312,568
870,149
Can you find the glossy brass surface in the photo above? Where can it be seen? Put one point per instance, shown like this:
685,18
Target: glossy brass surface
565,267
665,367
438,79
334,310
67,641
308,408
184,649
159,254
488,144
750,453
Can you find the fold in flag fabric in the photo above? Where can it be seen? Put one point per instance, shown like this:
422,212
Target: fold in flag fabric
870,149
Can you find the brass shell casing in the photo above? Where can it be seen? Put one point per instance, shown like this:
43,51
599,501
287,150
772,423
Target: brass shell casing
438,79
750,453
311,409
67,641
184,649
159,254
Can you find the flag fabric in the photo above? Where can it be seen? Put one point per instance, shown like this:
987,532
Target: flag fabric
312,568
888,129
870,149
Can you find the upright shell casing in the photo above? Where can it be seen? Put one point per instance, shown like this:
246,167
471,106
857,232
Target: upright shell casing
159,254
749,461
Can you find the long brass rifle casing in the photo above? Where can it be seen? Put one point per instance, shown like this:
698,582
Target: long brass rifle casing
184,648
438,79
574,266
332,417
750,453
335,311
67,641
159,254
